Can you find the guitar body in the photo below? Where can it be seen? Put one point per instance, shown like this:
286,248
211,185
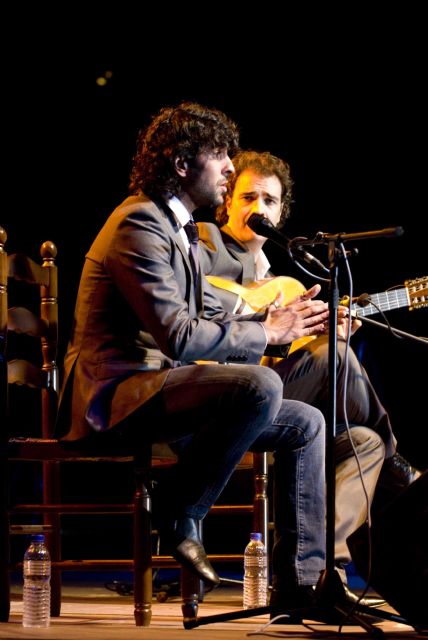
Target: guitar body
259,295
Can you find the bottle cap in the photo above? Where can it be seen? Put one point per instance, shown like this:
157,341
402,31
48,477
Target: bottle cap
256,535
38,537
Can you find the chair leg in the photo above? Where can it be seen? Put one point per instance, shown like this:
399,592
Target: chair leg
4,477
4,545
192,590
190,594
51,495
143,578
261,506
56,588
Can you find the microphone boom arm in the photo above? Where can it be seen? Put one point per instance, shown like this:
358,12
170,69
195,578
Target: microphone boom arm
326,238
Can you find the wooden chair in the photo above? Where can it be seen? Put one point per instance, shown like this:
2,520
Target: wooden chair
50,454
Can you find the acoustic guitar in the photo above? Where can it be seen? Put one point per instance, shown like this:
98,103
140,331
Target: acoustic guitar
259,295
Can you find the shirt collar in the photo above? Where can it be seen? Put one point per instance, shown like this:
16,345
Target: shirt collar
179,210
262,265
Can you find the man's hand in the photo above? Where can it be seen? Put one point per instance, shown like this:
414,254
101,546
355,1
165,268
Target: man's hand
301,317
343,322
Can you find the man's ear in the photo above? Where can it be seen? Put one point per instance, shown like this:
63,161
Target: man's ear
181,166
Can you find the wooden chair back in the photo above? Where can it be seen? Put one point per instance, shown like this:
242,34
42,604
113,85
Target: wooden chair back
40,373
37,368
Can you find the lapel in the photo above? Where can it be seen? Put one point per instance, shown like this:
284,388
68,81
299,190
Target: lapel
241,253
174,232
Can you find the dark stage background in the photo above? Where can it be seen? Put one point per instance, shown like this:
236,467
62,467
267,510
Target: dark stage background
341,97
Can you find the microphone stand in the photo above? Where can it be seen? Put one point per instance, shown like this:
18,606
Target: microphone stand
329,592
330,597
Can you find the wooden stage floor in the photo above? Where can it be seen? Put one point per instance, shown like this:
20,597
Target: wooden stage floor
91,612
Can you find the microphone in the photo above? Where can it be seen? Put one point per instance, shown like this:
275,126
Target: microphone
263,227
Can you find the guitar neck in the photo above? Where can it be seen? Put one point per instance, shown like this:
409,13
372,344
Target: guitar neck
384,301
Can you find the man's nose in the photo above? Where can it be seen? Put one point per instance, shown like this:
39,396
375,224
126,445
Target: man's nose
258,206
229,168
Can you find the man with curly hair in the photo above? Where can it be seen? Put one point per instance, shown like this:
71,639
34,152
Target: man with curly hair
143,317
262,184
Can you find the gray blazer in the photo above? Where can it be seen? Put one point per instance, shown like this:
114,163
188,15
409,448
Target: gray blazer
222,254
137,317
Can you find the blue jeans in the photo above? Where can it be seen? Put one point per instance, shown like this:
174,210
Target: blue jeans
297,437
212,414
305,375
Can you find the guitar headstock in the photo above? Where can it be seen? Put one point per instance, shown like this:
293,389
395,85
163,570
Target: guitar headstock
418,292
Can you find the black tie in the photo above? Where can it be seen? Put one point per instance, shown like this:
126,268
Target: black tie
191,229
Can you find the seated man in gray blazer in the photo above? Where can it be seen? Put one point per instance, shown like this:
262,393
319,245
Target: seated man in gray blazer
144,316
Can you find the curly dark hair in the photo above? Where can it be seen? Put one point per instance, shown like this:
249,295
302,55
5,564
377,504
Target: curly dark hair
265,164
184,130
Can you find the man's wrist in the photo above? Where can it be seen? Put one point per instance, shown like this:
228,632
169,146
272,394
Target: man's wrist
266,335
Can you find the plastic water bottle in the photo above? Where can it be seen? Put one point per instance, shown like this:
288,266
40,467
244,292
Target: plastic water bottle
37,587
255,573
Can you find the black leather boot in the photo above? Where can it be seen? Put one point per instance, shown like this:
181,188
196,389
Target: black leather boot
395,476
182,536
367,601
292,604
398,472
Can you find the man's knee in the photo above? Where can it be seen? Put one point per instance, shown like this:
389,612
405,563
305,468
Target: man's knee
308,420
266,379
315,420
365,440
256,386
